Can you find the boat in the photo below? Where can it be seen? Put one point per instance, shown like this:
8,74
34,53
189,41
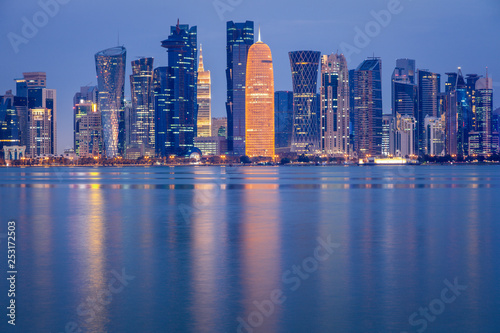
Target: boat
387,161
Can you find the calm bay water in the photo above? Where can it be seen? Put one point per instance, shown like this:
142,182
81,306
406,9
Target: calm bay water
228,249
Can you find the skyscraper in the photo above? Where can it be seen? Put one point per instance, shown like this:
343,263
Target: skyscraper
240,36
458,115
204,100
142,136
483,106
283,121
161,106
84,103
9,123
404,92
110,68
435,135
368,107
335,105
34,88
40,135
306,111
429,89
181,89
259,100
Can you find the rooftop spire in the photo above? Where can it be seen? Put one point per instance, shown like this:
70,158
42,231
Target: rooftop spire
177,28
259,35
200,63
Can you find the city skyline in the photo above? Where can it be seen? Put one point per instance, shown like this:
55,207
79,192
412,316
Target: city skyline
427,46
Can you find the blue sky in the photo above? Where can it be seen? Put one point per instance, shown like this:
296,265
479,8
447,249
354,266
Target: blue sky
441,35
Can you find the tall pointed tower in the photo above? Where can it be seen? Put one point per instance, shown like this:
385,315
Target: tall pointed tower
204,100
259,101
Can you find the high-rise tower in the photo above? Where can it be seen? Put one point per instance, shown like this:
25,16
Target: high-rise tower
181,89
204,100
110,68
429,89
334,105
142,136
306,111
368,107
240,36
259,97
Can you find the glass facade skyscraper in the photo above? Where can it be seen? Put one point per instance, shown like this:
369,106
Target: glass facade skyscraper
429,89
306,110
181,89
142,134
404,92
110,68
9,123
368,108
161,106
283,120
335,105
259,100
240,36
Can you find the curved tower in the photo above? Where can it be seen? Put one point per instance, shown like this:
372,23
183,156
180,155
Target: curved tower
110,68
259,101
306,123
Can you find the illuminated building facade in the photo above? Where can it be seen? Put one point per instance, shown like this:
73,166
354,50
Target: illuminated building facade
483,108
283,121
219,126
180,107
40,135
434,134
204,100
259,99
88,138
405,135
9,123
33,87
368,108
240,36
334,105
458,115
404,91
110,68
306,110
387,120
142,124
430,103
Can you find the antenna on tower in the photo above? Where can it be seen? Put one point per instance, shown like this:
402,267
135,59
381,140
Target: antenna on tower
118,37
259,35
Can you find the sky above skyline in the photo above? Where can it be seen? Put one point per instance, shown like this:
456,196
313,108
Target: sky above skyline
439,35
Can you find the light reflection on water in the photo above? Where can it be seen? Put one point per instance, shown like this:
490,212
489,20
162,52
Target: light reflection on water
401,233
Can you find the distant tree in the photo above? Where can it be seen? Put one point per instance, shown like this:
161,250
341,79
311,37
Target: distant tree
303,158
245,159
284,161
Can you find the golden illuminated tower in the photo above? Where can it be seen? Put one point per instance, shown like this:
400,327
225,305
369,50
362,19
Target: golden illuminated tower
259,101
203,122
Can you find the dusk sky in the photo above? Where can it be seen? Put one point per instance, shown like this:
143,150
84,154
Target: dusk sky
440,35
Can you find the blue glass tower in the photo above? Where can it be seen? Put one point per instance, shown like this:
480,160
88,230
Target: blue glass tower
161,107
283,120
141,85
182,106
306,111
110,68
240,36
9,124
